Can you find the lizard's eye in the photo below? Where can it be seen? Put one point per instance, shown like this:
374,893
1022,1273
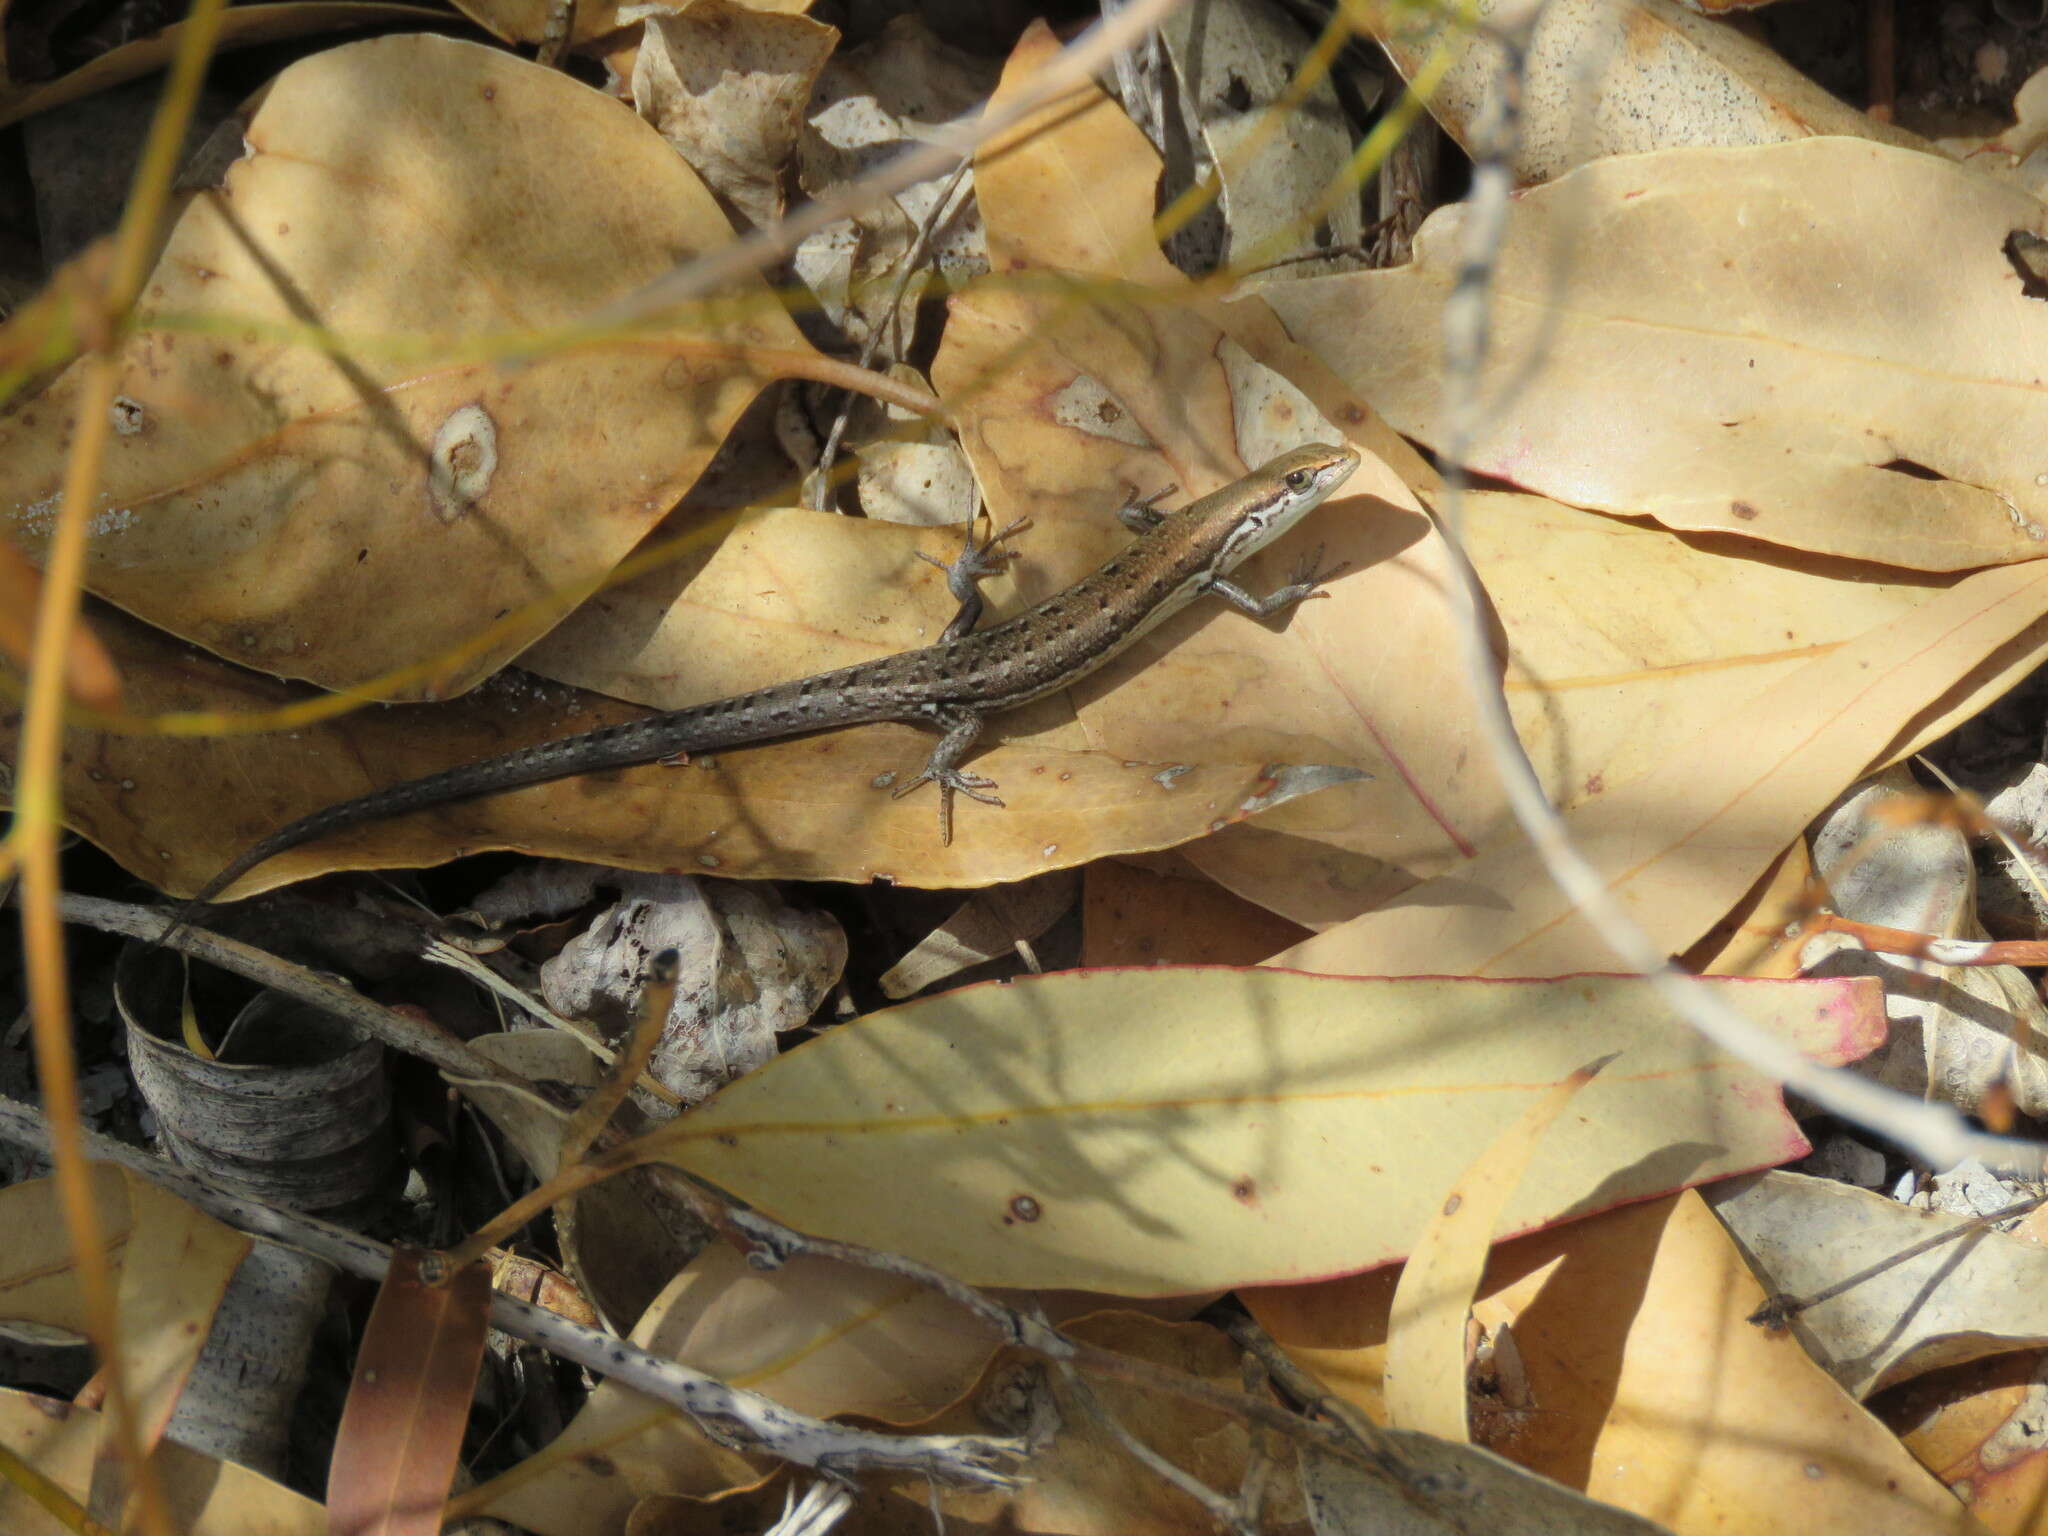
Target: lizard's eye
1297,479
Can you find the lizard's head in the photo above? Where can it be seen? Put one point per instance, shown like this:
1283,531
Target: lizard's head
1280,494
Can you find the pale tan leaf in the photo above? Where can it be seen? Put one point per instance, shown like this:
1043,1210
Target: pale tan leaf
1855,383
1758,935
1680,845
175,809
208,1497
1425,1379
1649,1387
1624,641
174,1270
171,1267
333,517
1152,1132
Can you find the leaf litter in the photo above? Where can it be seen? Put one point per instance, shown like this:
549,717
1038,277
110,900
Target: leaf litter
1761,526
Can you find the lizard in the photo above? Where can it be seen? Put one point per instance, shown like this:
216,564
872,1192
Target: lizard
952,685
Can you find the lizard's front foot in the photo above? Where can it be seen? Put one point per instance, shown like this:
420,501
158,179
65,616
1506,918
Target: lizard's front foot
970,567
1308,576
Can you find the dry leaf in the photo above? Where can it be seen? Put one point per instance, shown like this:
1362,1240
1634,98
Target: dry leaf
623,1240
184,1261
1425,1375
1153,1132
1234,64
208,1497
890,95
751,967
1855,384
1758,935
1981,1294
1617,77
1682,844
241,26
1082,1482
331,517
1976,1428
997,923
817,1337
175,809
2016,152
1651,1389
1887,856
1106,374
1134,916
726,84
401,1430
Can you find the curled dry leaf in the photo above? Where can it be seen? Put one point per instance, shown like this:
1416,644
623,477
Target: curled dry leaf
333,514
884,97
1853,384
1983,1293
1889,857
1651,1389
751,966
1233,64
817,1337
726,85
996,923
2014,152
1618,77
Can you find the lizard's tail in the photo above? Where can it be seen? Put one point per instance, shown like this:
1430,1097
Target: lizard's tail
512,770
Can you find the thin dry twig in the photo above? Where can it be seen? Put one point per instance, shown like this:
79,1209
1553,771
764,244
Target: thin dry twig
730,1415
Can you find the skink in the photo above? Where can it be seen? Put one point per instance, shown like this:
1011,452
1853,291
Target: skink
952,685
